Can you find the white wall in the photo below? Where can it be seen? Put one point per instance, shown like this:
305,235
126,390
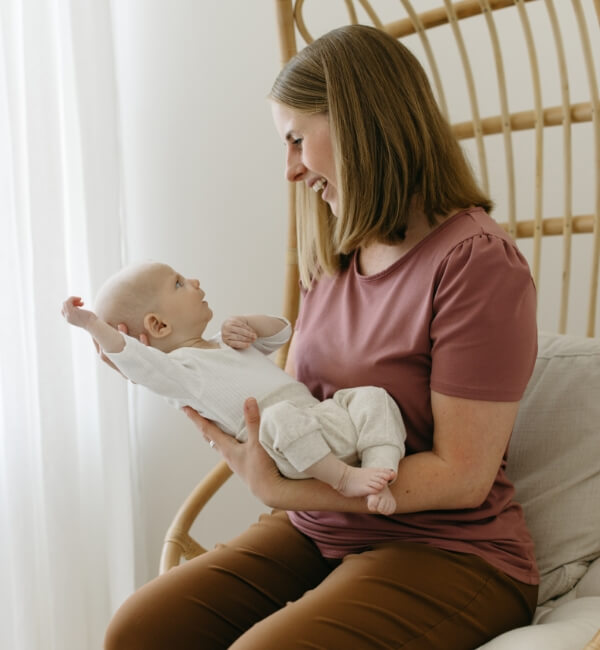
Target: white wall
203,171
204,192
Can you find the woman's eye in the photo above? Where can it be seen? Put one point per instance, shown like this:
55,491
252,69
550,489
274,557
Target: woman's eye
297,142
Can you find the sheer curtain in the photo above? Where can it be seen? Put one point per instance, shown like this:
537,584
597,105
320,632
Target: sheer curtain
67,480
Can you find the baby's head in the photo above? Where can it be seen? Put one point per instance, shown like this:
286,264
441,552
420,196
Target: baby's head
153,299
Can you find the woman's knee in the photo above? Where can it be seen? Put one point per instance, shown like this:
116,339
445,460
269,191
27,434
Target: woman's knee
154,617
127,630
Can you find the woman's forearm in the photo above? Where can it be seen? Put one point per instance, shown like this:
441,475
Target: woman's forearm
425,481
439,488
470,440
442,479
308,494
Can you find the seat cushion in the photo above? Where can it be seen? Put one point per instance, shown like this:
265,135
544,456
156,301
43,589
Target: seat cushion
568,627
554,459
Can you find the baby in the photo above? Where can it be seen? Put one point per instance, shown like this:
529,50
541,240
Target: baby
306,438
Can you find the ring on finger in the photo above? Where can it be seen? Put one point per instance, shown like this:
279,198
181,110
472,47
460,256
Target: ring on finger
212,444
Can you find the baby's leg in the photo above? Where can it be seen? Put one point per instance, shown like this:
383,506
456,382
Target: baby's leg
351,481
378,424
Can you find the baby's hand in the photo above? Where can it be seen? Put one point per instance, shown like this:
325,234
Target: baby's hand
237,334
75,315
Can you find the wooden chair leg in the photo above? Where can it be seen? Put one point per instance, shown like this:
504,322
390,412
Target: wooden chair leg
594,644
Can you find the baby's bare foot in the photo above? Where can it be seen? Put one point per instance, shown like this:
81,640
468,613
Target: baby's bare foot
383,502
362,481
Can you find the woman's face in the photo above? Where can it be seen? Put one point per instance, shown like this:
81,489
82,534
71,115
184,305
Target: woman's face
309,152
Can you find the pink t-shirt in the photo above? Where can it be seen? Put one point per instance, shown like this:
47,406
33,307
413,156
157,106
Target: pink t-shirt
456,314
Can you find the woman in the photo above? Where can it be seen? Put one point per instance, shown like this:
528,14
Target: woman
409,285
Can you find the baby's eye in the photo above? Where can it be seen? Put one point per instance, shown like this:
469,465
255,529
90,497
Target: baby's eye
178,283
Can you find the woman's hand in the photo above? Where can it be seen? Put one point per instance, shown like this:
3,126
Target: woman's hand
256,468
248,459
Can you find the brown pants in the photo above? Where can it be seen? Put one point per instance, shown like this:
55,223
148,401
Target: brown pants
270,589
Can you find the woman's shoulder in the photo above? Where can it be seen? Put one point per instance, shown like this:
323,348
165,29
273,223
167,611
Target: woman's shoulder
472,237
469,223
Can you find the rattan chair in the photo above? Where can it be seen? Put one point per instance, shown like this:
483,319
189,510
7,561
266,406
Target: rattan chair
532,132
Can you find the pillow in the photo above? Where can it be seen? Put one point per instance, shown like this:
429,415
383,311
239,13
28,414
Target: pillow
554,459
589,585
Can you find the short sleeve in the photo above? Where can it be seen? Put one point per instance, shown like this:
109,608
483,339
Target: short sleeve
483,330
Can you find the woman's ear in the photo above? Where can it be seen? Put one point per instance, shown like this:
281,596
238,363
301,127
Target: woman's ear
155,326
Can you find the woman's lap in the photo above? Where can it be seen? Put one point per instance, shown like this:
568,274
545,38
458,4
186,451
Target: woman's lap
395,596
246,579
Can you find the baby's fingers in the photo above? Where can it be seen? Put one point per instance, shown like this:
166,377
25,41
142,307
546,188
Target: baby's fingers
238,344
69,303
238,336
242,330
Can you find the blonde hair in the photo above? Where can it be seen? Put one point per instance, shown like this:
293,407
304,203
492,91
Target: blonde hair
127,296
391,145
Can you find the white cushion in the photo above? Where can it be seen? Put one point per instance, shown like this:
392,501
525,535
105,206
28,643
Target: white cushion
554,460
568,627
589,585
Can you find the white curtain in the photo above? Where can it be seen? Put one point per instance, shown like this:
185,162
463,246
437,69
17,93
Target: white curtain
67,479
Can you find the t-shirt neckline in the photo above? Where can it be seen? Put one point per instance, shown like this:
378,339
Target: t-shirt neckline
407,256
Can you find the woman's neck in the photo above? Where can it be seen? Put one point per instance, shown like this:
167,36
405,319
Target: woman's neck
378,256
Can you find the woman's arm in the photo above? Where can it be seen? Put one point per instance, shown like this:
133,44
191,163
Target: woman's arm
470,439
257,469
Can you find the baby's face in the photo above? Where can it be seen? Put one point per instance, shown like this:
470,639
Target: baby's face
180,301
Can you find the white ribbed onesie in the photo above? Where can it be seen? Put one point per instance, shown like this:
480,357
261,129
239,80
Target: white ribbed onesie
358,425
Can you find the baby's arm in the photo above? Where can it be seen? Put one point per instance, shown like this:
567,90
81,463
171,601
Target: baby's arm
240,332
108,338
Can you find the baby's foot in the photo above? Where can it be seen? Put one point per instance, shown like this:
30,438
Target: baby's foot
362,481
382,502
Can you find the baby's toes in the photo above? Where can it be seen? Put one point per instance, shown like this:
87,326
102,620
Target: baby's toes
386,504
378,480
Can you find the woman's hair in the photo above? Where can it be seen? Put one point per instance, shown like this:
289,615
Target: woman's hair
391,144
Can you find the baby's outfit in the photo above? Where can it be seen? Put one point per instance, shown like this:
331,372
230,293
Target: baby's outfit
361,426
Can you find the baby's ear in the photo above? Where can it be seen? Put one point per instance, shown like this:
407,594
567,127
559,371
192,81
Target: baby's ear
155,326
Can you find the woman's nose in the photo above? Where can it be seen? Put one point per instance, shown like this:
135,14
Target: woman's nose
294,167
